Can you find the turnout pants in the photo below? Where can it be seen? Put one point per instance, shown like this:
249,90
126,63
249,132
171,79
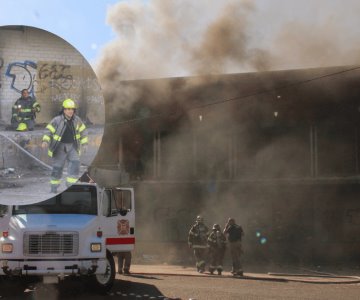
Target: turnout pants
65,152
216,259
200,253
124,261
236,251
30,123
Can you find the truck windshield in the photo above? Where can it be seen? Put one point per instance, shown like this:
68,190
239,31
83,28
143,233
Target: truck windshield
75,200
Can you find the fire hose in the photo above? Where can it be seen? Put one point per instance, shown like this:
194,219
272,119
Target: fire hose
46,166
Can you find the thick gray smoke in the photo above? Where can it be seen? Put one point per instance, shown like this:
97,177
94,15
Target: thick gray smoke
162,38
176,38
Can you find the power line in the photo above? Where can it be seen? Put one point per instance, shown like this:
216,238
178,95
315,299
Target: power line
222,101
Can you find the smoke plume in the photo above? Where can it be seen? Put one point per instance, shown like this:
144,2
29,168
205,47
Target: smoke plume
203,39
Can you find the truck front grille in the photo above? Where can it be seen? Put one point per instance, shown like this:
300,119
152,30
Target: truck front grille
51,243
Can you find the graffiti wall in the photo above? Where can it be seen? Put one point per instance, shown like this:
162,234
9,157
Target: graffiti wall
51,75
22,75
51,82
56,81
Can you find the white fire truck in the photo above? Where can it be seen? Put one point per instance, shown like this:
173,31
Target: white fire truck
73,233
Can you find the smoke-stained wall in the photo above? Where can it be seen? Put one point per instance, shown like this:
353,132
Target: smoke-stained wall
278,151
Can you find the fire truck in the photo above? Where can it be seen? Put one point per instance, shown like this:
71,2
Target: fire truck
74,233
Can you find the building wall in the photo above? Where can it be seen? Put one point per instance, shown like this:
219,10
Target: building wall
298,222
283,162
51,69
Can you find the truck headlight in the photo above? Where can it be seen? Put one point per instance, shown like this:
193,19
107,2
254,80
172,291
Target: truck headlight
95,247
7,248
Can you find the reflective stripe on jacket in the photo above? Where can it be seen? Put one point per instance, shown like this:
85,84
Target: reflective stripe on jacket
56,128
216,239
25,109
198,234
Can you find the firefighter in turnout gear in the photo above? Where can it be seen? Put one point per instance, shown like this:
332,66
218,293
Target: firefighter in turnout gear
217,245
24,112
65,138
234,234
197,240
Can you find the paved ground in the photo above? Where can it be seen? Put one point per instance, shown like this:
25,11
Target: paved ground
176,282
298,276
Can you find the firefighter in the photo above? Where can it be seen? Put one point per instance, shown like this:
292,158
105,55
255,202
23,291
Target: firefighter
65,138
197,240
217,245
24,112
234,234
124,262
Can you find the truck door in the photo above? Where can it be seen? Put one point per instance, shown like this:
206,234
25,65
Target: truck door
119,222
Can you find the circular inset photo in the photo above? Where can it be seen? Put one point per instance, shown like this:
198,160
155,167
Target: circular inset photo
51,115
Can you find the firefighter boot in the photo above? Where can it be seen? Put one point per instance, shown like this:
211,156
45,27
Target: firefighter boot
53,189
240,273
126,272
202,267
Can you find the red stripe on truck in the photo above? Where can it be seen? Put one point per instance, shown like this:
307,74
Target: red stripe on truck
120,241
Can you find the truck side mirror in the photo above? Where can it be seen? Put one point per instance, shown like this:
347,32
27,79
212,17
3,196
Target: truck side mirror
123,212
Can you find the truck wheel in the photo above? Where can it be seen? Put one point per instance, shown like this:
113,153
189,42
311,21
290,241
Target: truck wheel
104,282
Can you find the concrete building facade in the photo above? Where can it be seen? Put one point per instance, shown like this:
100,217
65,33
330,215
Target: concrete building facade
278,151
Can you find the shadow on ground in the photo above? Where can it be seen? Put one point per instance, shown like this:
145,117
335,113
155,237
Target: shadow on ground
74,288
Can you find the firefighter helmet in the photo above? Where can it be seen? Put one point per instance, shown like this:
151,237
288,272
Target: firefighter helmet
22,127
216,227
69,103
199,219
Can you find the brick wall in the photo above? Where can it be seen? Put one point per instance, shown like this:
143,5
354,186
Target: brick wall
51,69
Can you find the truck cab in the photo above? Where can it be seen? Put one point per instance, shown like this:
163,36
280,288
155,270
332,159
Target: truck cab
74,233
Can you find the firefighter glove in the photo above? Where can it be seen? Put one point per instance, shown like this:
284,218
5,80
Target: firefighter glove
44,145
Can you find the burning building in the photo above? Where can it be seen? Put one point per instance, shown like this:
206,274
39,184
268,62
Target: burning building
278,151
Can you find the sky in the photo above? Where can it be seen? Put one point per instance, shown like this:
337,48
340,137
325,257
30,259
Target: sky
293,34
82,23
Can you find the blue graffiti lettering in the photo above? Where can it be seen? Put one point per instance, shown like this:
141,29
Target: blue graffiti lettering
23,75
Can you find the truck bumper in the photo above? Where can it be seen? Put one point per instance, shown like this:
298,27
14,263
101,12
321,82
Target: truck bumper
52,267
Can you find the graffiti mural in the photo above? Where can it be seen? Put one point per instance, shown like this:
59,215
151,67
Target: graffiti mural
50,82
55,76
23,75
56,81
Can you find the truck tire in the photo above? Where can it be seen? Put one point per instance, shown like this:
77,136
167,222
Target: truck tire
102,283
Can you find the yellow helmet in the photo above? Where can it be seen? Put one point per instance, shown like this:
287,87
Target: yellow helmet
22,127
69,103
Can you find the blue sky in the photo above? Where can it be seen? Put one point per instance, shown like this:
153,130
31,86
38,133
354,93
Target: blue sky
276,26
82,23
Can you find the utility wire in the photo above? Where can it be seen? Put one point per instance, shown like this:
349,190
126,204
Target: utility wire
222,101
